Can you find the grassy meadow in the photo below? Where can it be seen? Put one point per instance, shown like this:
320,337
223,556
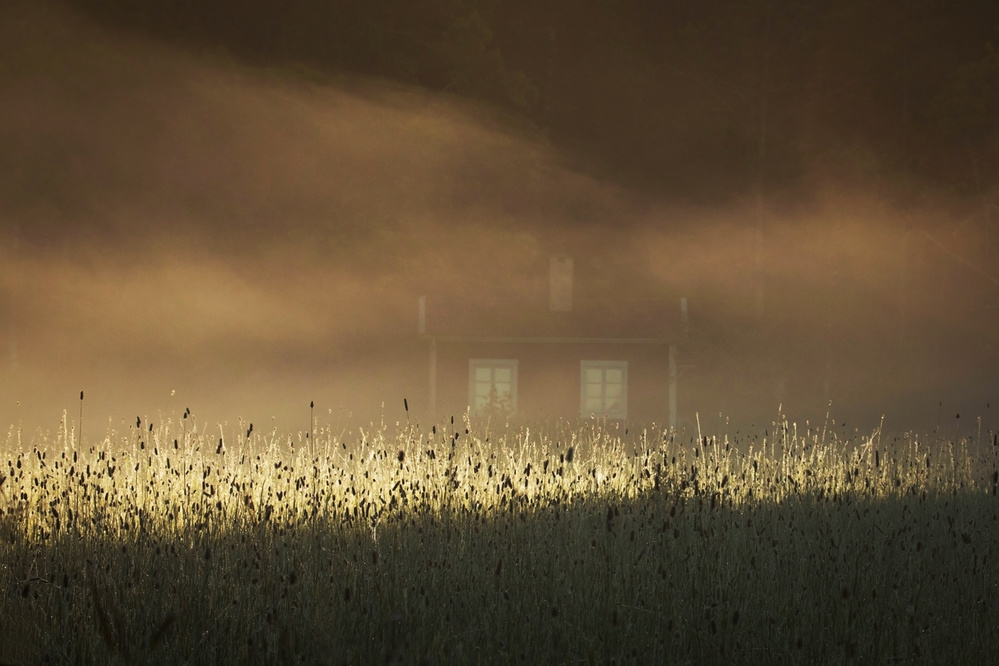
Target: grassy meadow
461,542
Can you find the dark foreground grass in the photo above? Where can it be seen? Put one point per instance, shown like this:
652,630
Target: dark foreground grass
571,546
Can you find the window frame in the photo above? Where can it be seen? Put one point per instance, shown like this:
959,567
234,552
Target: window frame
492,364
603,366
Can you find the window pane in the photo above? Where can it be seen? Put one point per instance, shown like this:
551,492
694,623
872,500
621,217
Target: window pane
604,388
493,386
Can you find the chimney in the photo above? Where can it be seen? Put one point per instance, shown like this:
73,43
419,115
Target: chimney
560,283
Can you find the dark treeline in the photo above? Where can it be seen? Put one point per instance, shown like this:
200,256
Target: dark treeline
679,97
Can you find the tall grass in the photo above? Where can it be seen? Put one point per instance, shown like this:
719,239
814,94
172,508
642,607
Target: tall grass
566,543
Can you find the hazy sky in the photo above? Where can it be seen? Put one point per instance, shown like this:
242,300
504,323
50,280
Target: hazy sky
180,230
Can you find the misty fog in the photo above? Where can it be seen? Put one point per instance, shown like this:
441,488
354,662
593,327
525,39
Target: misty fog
180,230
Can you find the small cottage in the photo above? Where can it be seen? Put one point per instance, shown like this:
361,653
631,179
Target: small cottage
557,355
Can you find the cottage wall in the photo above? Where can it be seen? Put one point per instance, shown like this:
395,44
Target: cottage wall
548,376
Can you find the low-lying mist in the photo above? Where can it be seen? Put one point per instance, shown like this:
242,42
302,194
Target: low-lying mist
181,231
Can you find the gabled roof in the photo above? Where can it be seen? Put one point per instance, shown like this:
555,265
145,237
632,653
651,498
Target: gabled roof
620,320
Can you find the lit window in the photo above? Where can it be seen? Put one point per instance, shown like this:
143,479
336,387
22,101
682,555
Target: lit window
492,387
603,389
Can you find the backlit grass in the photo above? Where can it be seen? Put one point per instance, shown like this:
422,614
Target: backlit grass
453,543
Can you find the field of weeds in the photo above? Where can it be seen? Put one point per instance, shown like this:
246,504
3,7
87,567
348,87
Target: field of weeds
175,543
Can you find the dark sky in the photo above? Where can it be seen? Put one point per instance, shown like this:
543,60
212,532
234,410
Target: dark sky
195,219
